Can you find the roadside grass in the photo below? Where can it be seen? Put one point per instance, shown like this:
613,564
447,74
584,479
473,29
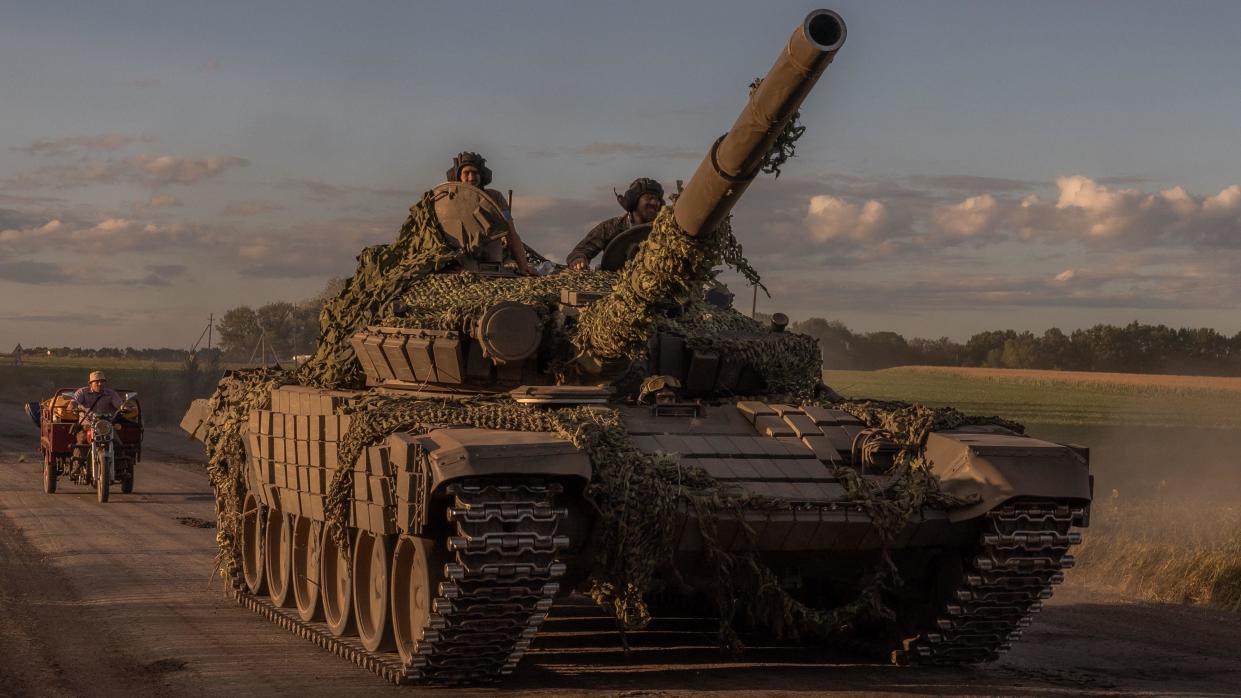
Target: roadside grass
165,388
1169,549
1164,526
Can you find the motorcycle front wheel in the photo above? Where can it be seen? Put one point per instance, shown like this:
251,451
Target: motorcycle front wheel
102,473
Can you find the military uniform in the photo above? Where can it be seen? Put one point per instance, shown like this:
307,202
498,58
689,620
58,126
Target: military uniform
599,237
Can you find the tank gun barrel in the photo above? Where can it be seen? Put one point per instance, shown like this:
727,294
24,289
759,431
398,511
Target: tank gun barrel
736,157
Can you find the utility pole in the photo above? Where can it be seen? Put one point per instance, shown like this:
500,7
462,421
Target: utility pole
210,324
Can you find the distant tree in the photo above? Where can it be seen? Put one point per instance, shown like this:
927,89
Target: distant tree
239,332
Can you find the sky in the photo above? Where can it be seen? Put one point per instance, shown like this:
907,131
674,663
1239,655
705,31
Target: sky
966,165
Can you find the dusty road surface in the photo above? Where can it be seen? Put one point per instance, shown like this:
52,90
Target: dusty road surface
117,600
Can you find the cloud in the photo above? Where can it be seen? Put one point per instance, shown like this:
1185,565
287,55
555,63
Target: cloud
29,272
149,170
318,190
969,183
832,218
1090,211
251,207
640,150
71,144
167,169
101,235
968,218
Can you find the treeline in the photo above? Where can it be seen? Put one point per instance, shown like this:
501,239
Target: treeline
1133,348
281,329
204,356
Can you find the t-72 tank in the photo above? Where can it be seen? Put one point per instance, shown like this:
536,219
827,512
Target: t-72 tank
469,445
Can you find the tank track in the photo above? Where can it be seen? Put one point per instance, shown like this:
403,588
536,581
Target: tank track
1022,552
500,582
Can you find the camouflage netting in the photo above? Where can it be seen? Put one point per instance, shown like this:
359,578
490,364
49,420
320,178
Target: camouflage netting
785,145
669,268
385,273
224,430
456,301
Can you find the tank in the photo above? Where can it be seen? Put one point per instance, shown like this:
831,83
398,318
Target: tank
468,447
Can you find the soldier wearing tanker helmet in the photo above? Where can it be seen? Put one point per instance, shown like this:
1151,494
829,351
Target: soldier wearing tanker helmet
471,168
641,201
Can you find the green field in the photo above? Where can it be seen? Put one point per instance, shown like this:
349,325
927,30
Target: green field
1048,400
1166,457
165,388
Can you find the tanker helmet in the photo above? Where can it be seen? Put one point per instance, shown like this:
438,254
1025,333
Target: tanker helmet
474,160
638,187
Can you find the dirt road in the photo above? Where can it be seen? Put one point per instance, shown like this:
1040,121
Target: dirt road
117,599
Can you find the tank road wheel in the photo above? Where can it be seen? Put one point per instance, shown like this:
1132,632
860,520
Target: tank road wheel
336,585
417,570
49,473
371,555
307,535
252,562
278,553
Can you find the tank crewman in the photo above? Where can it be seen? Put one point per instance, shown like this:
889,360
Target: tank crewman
641,201
471,168
95,397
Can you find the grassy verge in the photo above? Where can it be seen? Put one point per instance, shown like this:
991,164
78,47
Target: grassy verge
1165,549
164,388
1164,450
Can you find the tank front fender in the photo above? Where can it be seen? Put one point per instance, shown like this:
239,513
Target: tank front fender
458,453
194,418
987,468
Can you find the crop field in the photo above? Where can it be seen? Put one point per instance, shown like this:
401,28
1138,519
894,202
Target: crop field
1165,452
1063,398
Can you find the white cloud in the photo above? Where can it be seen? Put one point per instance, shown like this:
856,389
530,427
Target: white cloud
174,170
830,218
968,218
1088,210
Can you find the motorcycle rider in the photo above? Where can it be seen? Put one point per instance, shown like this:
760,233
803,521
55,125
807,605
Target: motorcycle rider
95,398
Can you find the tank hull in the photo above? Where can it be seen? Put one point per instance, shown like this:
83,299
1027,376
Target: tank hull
500,512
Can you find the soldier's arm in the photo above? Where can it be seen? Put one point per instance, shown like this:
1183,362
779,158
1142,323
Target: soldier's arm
594,242
515,246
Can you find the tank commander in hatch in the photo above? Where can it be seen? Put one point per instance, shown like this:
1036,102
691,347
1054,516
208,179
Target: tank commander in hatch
471,168
641,201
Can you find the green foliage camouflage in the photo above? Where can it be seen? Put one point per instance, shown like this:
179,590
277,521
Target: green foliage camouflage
785,145
237,393
385,273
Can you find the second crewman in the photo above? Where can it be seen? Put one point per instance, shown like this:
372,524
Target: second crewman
641,201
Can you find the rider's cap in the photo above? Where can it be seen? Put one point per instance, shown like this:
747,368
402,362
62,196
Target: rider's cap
97,376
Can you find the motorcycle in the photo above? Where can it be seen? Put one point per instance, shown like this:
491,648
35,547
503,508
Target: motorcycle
101,438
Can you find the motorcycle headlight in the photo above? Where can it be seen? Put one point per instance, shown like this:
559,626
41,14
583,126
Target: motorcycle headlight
103,429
